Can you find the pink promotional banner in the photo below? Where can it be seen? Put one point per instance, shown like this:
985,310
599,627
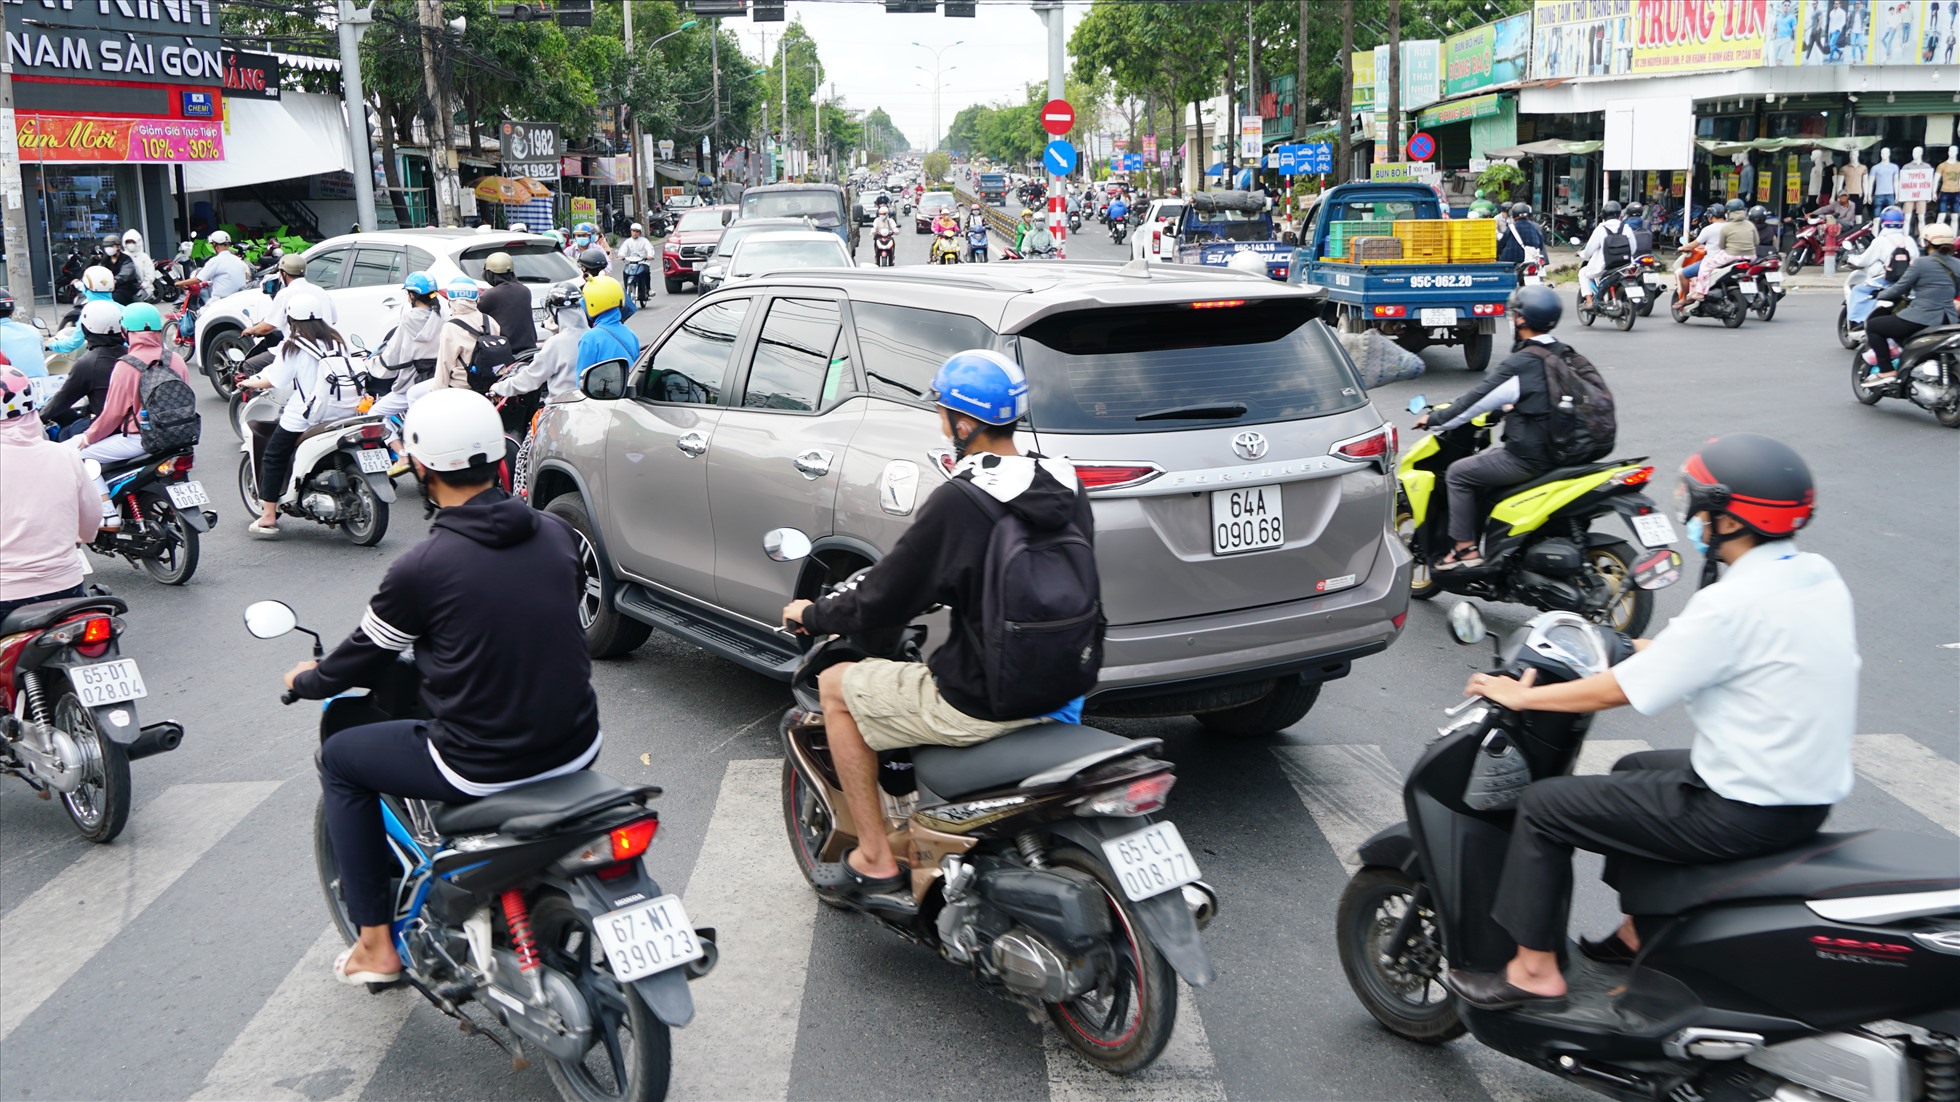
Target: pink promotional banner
1150,146
71,138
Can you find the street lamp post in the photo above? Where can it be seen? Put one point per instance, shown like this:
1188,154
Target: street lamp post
937,72
633,138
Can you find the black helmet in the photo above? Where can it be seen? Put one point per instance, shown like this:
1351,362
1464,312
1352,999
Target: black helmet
1635,210
1536,306
1611,209
593,261
1735,206
1520,210
1714,210
1759,213
1762,483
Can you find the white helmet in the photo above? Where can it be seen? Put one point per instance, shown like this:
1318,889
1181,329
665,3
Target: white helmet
637,228
101,317
1250,262
98,279
517,227
219,237
306,306
453,428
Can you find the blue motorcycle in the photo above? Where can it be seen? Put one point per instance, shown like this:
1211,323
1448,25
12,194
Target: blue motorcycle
976,243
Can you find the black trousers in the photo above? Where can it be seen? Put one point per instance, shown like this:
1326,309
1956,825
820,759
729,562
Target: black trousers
356,766
1652,805
8,606
1880,328
276,449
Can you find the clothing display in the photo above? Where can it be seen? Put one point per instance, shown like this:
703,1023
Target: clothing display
1885,182
1851,181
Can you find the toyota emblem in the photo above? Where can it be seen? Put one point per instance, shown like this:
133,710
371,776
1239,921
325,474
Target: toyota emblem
1249,445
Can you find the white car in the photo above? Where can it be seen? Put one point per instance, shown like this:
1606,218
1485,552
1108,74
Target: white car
779,252
1152,239
362,273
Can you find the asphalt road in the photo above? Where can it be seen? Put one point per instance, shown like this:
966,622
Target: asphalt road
190,957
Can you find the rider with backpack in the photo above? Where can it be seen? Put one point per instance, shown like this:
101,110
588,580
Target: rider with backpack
150,408
1551,398
1006,545
472,349
313,366
1885,261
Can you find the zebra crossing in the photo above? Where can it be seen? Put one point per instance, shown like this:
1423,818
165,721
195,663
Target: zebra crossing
311,1039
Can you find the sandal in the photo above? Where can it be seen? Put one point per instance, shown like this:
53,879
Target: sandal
262,529
838,878
358,979
1461,558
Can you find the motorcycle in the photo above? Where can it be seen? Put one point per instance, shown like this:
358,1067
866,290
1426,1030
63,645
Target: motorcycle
1075,221
1530,273
946,247
1813,242
533,905
1040,860
1119,228
1850,334
1653,280
340,471
1760,283
637,279
1539,548
1724,300
1618,294
976,243
69,727
162,513
886,247
1928,373
1826,971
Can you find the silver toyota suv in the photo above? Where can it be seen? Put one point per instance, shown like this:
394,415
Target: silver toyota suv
1243,483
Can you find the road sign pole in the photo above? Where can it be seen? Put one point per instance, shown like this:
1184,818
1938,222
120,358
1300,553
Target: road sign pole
1059,158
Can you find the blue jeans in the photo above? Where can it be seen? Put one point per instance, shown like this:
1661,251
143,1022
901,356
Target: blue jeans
1862,300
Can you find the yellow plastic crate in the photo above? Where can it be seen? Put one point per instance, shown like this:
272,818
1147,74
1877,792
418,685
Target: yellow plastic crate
1473,240
1423,234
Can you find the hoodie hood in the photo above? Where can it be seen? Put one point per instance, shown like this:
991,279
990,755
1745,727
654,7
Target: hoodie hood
609,316
423,323
103,340
492,518
25,429
1038,489
146,344
463,308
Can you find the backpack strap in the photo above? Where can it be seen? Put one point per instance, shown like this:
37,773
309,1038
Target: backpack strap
990,505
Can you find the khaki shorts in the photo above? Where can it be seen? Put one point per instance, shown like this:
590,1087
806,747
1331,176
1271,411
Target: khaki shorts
897,704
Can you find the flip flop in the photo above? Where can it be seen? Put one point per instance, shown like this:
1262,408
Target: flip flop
360,979
262,530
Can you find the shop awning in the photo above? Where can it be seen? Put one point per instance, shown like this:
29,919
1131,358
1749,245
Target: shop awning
1551,147
299,134
1771,145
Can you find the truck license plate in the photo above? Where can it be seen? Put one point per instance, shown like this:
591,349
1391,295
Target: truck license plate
1246,520
1150,861
107,682
647,937
1434,316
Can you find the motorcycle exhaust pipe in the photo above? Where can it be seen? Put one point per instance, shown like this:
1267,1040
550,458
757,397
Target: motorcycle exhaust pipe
705,964
1202,899
157,738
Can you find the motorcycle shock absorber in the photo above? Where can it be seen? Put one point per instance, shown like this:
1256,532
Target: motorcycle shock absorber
37,700
517,919
1942,1075
1030,846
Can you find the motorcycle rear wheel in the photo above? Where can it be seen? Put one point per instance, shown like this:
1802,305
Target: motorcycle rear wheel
1677,308
1126,1028
632,1058
1628,314
177,560
1412,1005
1844,328
1734,312
1766,305
1859,370
1631,607
1795,261
369,521
99,808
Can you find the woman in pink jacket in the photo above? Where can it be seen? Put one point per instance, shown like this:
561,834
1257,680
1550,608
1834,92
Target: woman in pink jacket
116,433
46,505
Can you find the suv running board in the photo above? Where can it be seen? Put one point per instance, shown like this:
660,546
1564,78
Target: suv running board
759,651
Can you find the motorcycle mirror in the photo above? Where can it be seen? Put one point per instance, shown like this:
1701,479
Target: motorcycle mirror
358,341
41,325
785,545
1467,624
270,619
1418,403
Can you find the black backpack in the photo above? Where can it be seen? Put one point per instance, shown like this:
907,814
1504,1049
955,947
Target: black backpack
169,421
1895,268
1039,627
492,353
1617,249
1582,425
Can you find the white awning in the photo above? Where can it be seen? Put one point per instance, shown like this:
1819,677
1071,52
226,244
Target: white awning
299,134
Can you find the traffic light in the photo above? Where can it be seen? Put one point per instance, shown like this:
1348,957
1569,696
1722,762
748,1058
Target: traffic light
911,7
963,9
716,8
574,13
766,11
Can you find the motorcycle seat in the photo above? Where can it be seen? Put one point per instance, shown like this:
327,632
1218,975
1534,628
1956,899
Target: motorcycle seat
953,771
535,808
41,614
341,425
1560,474
121,467
1828,866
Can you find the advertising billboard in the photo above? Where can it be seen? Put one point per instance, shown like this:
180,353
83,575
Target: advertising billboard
1670,36
1486,56
1582,38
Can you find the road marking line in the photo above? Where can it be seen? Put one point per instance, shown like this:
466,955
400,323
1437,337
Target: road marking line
1598,755
313,1038
746,885
1913,774
1185,1072
54,932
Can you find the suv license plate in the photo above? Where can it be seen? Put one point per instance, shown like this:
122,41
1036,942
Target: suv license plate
1150,861
107,682
1246,520
1438,316
188,495
1654,529
647,937
373,460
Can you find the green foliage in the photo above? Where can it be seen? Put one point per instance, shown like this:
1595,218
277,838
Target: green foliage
1498,180
936,165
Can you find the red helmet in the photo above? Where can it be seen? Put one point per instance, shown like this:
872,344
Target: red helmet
1762,483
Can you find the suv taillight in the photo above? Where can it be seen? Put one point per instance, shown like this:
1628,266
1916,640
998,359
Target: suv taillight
1109,476
1377,445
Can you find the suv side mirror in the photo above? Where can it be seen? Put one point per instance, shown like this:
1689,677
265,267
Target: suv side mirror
605,380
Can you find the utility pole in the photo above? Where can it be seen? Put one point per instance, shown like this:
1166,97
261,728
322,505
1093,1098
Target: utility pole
1252,80
352,23
1342,154
714,129
762,147
20,273
633,128
442,142
1393,152
782,67
1051,17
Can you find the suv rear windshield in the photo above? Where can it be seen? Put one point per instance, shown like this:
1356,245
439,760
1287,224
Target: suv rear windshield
695,221
1231,225
1162,368
531,262
821,206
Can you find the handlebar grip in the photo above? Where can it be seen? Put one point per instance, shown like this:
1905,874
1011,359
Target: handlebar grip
289,697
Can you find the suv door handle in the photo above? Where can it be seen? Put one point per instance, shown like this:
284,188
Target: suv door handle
813,464
693,444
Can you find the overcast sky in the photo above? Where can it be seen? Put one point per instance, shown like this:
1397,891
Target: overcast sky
870,58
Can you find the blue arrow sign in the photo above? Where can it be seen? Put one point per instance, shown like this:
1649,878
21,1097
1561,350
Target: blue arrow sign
1059,157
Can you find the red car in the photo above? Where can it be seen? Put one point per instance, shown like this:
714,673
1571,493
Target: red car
691,242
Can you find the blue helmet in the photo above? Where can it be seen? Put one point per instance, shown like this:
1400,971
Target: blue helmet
420,283
982,384
1892,217
461,287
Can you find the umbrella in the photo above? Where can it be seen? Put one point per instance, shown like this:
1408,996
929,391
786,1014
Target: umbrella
538,188
1216,170
500,189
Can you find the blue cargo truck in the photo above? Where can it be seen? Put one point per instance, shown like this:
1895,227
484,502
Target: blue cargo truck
1216,226
1416,304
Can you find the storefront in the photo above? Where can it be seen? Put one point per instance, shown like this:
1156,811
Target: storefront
108,99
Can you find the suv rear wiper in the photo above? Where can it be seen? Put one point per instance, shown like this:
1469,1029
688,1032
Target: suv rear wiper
1217,412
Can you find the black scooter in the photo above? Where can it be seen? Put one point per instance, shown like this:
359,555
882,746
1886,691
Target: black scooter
1928,375
1724,301
1828,971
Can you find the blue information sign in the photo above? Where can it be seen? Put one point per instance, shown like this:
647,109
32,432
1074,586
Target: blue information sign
1059,157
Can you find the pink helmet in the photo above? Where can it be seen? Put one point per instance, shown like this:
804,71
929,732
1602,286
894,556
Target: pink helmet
16,393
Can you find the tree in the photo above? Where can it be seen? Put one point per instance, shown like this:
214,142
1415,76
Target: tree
881,138
936,165
1156,48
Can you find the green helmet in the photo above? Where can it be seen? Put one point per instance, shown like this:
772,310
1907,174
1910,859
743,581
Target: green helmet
141,317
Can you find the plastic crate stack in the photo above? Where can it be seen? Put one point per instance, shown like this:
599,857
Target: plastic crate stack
1376,250
1424,240
1340,235
1473,240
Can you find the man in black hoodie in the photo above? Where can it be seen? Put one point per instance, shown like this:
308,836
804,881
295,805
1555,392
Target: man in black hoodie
82,393
490,603
508,301
878,705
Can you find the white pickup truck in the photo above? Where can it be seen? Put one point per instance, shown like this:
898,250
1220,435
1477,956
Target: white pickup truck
1152,240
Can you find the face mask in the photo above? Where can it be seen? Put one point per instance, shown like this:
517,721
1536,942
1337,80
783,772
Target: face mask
1697,533
582,239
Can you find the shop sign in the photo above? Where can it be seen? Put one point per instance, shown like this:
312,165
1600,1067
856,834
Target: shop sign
73,138
1485,56
105,39
1150,147
666,149
1402,172
530,149
1363,65
198,105
1252,131
1792,180
1674,37
569,166
253,76
1583,38
1463,110
1422,73
1677,184
584,209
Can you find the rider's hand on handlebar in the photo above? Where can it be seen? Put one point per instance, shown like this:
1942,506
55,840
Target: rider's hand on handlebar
297,670
1506,692
793,616
1422,422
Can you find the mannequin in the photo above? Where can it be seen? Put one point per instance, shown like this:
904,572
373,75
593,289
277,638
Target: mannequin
1884,180
1819,173
1916,183
1746,177
1949,171
1851,182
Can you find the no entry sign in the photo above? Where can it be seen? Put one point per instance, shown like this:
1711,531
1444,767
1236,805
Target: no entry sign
1057,117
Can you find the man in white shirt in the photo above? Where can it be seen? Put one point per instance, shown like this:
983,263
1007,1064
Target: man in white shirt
637,247
292,276
224,274
1767,665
